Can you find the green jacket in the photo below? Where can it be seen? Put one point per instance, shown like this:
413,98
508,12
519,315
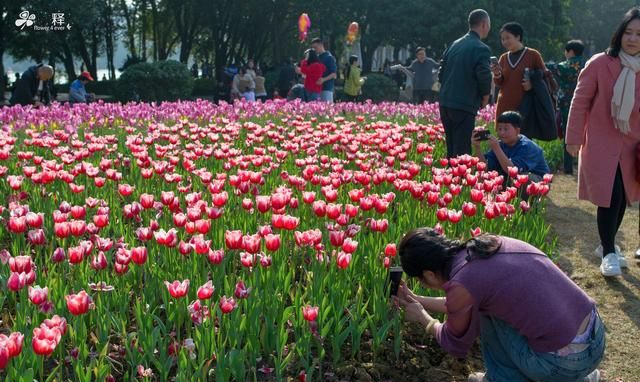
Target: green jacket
464,74
567,74
353,84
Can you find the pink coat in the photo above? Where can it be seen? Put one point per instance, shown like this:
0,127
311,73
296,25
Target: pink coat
603,147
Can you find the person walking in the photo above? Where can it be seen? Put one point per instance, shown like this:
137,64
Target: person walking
604,129
352,80
329,76
534,322
465,80
567,73
423,79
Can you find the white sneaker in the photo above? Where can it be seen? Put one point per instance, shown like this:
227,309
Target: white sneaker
610,265
479,377
593,377
622,260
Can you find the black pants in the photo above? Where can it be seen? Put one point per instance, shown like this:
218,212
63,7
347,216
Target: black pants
350,98
458,126
422,95
609,219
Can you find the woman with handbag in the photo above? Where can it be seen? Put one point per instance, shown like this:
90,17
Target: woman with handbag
534,322
511,73
604,129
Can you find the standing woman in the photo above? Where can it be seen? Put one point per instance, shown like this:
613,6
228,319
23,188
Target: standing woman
352,80
509,73
312,69
604,128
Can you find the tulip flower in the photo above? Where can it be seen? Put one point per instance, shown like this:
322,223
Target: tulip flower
38,295
177,289
390,250
233,239
45,340
78,303
310,313
343,260
227,305
206,291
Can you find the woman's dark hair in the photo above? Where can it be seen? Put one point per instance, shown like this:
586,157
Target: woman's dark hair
311,56
513,28
352,59
511,117
424,249
616,40
575,46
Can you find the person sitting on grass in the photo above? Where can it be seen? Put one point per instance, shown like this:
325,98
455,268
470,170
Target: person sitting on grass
534,322
512,150
77,91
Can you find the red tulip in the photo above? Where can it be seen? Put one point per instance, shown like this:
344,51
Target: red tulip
220,199
17,224
308,197
390,250
77,227
146,200
337,238
101,221
469,209
21,264
99,261
343,260
215,256
125,189
78,303
62,230
206,291
319,208
454,216
76,254
251,243
310,313
265,261
241,290
12,343
227,305
16,281
476,195
143,234
333,210
177,289
185,249
38,295
45,340
34,220
199,312
58,255
139,255
272,242
233,239
56,322
349,245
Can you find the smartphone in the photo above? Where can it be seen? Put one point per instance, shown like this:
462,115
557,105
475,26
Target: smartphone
395,276
493,60
482,135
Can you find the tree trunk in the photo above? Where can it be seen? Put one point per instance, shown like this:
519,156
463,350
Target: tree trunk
3,82
67,60
108,36
154,29
143,30
130,28
93,68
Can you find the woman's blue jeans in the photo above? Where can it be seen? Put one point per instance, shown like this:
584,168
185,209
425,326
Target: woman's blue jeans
509,358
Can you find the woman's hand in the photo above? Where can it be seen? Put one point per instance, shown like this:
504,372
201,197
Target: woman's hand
526,85
573,150
413,310
496,70
404,292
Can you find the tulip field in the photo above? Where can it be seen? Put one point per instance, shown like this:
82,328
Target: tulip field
192,241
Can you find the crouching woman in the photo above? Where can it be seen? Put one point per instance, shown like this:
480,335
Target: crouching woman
534,323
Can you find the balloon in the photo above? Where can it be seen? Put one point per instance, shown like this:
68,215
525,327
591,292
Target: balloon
304,23
352,32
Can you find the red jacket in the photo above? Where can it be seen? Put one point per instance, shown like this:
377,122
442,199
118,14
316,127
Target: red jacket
312,74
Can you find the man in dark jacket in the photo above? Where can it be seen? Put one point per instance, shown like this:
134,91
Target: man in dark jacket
465,80
32,80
